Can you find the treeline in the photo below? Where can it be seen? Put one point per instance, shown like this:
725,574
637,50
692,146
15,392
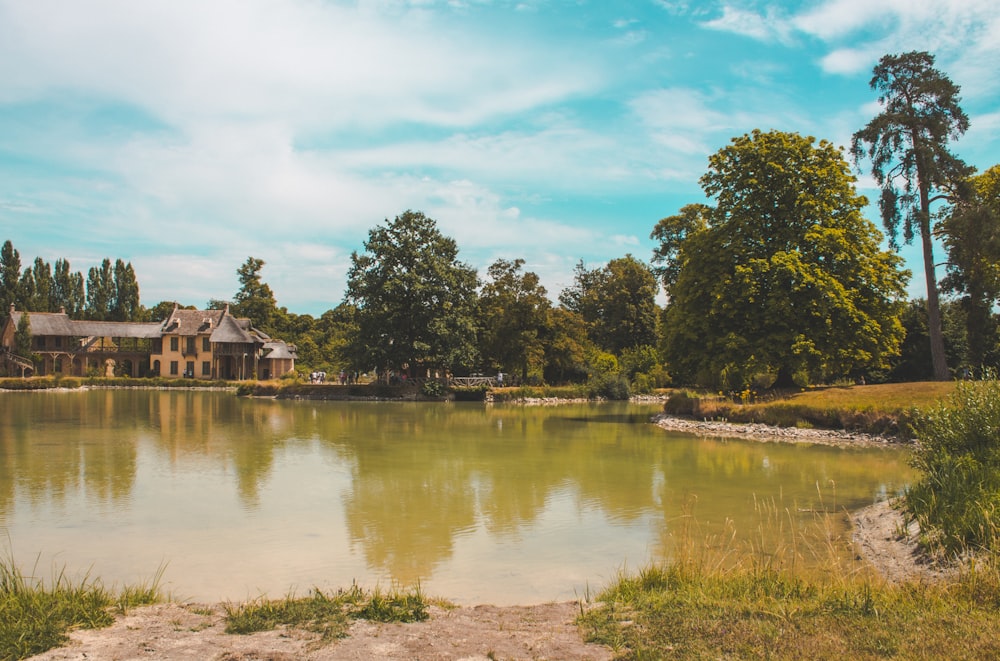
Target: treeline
109,293
782,281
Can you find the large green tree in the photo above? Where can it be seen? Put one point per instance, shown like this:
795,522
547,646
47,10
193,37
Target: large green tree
255,299
907,144
10,277
617,303
100,291
784,276
415,302
971,232
125,305
68,289
514,312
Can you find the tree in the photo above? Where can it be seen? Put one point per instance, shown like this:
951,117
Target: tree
907,144
254,300
786,277
10,276
415,301
36,287
100,291
125,304
566,347
514,311
617,303
67,289
22,337
971,232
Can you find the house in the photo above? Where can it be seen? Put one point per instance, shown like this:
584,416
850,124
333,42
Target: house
197,344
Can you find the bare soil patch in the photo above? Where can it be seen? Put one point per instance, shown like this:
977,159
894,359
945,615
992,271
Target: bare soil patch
192,631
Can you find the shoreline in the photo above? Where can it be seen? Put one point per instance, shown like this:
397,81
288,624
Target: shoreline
758,431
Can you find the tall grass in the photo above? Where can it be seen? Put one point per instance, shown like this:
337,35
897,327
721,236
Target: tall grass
957,499
35,616
778,596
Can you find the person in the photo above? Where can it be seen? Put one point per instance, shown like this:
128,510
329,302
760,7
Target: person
500,379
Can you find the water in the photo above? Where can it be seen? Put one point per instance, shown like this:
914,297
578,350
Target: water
480,504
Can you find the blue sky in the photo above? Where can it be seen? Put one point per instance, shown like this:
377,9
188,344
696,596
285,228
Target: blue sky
184,135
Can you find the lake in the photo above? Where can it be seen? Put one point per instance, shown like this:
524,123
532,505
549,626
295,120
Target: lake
501,504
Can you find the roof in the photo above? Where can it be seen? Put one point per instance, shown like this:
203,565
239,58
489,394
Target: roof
59,323
192,322
279,350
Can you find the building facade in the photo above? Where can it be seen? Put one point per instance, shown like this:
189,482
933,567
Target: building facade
196,344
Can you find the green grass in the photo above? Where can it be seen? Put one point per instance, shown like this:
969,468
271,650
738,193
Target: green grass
326,614
888,409
684,611
36,616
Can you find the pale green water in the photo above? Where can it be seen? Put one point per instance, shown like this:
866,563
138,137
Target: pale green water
480,504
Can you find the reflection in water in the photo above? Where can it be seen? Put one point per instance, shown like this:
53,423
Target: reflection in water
483,503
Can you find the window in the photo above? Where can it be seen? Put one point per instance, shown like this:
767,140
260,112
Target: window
189,369
58,365
206,345
40,341
174,343
206,368
58,342
173,366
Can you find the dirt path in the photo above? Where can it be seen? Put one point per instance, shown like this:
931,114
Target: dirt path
174,631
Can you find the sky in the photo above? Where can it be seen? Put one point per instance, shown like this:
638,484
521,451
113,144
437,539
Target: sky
185,136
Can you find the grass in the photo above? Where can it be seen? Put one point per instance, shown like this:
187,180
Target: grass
36,616
684,611
329,615
889,409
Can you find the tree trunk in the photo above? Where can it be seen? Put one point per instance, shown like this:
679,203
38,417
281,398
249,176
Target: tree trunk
938,360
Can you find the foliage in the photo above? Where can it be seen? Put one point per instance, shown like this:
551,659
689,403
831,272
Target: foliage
566,347
907,143
514,313
10,274
617,303
254,300
914,362
327,614
415,301
957,498
434,389
35,617
785,278
971,231
22,336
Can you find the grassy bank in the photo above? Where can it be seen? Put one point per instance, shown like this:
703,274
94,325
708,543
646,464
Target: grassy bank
688,612
886,409
36,615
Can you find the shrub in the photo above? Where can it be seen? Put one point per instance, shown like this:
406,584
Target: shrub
957,500
434,389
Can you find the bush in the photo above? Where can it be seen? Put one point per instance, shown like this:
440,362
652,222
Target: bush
433,389
957,500
680,402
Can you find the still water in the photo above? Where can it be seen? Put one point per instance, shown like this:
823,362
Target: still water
498,504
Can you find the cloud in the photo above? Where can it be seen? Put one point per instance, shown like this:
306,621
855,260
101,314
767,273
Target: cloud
769,27
314,64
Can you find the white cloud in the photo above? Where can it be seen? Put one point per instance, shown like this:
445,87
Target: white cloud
769,27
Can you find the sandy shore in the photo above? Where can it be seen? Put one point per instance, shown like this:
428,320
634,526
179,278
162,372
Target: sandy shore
545,631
